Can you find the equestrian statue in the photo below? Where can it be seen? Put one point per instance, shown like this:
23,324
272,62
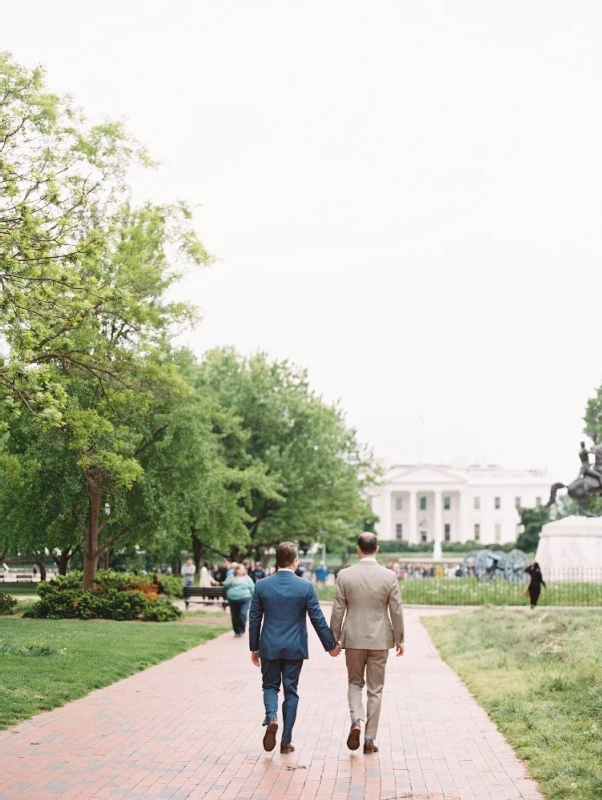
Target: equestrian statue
588,483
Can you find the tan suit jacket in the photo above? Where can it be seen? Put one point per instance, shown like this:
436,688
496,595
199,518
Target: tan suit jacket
367,596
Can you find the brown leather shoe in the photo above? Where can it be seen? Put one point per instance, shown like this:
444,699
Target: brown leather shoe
370,747
269,737
353,740
286,747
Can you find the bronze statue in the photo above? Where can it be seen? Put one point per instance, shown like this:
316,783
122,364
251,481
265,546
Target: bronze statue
588,482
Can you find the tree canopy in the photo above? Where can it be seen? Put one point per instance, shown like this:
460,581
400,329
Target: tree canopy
99,411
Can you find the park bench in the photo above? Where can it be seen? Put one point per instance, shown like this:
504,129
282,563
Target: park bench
210,595
26,577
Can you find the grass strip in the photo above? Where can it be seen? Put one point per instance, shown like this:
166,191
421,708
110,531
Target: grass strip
47,663
539,676
471,592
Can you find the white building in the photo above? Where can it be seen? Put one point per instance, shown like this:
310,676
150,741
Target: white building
456,502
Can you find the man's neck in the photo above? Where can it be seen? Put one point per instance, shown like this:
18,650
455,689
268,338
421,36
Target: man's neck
367,558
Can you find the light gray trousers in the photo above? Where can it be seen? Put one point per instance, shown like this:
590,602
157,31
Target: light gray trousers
366,668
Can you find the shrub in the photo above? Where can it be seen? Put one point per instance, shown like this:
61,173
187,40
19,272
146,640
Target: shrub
160,611
119,596
7,603
55,604
173,585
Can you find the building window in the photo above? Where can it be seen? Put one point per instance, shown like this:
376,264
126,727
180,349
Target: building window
477,532
498,533
398,504
497,502
423,537
399,531
477,503
447,531
538,502
517,503
446,503
423,504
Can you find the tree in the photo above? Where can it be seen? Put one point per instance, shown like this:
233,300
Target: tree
62,189
39,488
118,379
317,471
532,520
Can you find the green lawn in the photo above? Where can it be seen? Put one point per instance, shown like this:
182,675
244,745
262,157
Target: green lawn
19,588
539,676
471,592
47,663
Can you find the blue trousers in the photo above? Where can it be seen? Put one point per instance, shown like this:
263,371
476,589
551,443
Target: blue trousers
239,610
287,672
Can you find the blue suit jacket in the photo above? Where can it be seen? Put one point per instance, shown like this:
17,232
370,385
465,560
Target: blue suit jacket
283,602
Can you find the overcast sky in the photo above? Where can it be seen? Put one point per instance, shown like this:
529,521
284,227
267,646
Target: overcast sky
405,197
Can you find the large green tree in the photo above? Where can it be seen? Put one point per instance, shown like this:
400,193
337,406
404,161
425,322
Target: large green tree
62,190
316,471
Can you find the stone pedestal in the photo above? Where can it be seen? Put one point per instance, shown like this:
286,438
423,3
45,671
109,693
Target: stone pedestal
571,549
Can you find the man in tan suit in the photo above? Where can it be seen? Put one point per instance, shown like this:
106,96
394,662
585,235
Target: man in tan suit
367,621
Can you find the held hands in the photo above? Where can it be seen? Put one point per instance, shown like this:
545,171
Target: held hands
334,653
399,649
255,659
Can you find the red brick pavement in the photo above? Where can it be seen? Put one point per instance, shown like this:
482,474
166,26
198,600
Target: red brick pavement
190,728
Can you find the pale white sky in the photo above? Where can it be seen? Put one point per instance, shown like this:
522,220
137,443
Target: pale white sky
404,196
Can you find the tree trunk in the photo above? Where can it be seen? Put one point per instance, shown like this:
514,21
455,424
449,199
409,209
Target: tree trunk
42,566
62,561
91,533
197,550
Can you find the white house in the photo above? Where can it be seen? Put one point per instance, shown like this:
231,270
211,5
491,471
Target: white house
456,502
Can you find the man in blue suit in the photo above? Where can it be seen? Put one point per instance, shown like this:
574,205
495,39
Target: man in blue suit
283,601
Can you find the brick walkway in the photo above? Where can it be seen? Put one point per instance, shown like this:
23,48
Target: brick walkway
190,728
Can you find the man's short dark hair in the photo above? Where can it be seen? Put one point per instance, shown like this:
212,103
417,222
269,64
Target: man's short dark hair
367,543
286,553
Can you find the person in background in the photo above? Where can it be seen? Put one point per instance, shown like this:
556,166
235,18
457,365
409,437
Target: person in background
321,572
206,579
300,571
533,590
159,588
256,572
223,569
239,591
188,570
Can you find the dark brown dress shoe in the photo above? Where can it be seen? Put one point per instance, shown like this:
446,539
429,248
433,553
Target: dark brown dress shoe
370,747
353,740
269,737
286,747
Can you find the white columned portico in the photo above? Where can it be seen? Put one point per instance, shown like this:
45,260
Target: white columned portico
412,518
438,531
386,518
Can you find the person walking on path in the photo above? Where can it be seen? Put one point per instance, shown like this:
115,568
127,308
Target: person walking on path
321,572
533,590
282,602
239,591
188,570
367,621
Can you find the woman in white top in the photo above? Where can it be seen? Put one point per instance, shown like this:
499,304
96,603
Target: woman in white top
206,580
